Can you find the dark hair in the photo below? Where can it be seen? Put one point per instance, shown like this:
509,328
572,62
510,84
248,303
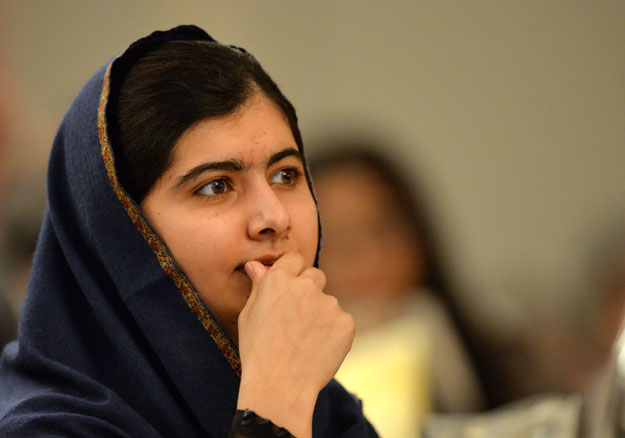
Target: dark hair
171,88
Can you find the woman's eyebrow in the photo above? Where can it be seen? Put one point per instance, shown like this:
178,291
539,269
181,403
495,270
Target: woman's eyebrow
289,152
228,165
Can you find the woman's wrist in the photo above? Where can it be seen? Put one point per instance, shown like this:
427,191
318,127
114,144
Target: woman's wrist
284,404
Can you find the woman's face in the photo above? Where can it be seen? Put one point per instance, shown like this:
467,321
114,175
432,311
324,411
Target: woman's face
236,191
370,249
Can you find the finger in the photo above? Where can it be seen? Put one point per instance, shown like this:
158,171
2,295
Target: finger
256,271
316,275
291,262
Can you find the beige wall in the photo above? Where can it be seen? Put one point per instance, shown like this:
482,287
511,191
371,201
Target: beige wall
513,112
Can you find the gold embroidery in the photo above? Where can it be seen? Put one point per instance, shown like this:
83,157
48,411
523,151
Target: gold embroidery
180,279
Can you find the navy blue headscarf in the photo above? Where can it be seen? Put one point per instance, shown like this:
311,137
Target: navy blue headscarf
113,338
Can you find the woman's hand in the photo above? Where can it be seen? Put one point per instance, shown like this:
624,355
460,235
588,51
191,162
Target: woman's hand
292,340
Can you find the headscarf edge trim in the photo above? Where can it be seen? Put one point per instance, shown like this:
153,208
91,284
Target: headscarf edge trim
183,284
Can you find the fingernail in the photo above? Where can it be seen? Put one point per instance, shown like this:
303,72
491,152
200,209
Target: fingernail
249,270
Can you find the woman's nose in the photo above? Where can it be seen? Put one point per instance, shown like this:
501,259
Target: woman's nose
269,217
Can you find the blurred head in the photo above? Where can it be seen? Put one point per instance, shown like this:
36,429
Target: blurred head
375,243
607,286
211,151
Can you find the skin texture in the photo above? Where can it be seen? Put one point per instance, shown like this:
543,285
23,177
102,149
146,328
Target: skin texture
238,217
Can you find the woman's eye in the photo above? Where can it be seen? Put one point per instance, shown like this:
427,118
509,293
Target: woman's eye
215,187
286,177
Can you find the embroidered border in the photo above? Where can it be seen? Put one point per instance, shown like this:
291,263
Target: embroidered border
182,282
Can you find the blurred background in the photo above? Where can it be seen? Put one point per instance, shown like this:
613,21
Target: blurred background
511,116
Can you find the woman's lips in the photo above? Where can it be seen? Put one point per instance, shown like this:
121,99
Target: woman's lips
265,260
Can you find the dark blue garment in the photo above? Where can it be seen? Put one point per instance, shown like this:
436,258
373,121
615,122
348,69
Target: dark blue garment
113,339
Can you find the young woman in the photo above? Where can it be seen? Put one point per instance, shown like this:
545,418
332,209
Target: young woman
174,284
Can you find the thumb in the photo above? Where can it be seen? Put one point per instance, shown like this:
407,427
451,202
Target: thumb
256,271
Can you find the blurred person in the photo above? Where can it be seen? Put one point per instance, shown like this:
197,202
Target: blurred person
567,355
381,262
596,362
22,213
26,132
7,318
8,323
175,288
573,379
